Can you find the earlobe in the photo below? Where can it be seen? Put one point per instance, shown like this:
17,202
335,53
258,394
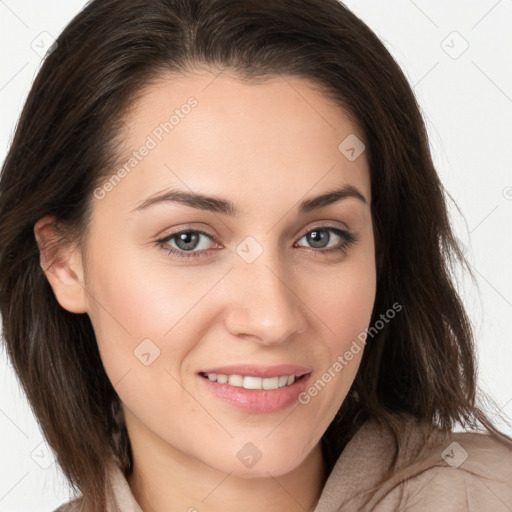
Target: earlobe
62,266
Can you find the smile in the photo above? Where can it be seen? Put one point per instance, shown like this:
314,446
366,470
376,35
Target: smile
251,382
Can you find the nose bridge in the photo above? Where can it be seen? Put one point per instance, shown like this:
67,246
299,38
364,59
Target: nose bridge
267,304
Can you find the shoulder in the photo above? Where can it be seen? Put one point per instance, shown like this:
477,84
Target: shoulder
454,471
425,470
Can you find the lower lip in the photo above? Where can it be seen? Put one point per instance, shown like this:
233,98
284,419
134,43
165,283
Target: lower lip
258,400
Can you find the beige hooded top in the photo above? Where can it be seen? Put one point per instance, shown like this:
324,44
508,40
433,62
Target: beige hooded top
455,472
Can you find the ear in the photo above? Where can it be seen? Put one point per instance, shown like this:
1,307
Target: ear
62,266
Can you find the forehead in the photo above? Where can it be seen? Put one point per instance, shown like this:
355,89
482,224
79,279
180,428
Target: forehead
279,137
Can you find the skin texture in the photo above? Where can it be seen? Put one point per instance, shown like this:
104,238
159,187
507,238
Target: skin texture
266,147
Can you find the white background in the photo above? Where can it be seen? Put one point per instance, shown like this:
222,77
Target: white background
466,98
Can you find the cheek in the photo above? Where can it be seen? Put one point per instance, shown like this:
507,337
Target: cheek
346,300
138,314
128,306
345,308
143,311
142,297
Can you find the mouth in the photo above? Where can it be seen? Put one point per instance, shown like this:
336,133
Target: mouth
253,382
256,389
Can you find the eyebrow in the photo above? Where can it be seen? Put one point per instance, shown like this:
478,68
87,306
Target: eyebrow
220,205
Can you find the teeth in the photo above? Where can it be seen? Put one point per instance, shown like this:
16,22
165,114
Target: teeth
283,381
236,380
249,382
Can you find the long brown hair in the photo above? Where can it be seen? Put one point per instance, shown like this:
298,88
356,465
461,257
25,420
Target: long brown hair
421,364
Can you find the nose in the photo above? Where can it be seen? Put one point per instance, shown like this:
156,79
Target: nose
263,301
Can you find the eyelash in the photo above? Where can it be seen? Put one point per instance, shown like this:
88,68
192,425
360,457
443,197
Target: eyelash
348,237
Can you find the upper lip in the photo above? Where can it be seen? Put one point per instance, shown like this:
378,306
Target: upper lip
253,370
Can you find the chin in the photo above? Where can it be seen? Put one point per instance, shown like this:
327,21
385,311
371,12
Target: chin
276,464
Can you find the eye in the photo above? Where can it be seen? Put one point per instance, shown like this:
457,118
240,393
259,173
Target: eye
187,243
319,238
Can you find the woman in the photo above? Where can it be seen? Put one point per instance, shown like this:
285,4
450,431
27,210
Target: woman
235,288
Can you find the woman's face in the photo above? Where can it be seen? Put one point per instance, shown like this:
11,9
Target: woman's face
273,285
